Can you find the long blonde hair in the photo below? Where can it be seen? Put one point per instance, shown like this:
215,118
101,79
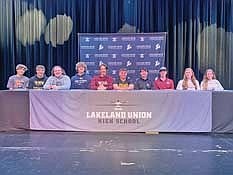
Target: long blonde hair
205,79
185,80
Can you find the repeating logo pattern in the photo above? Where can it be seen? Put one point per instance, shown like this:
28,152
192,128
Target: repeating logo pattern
131,51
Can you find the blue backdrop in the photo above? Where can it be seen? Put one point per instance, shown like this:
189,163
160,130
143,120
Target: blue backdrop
131,51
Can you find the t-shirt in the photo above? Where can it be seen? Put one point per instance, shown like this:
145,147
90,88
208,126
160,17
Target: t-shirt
123,84
142,84
17,82
37,83
80,81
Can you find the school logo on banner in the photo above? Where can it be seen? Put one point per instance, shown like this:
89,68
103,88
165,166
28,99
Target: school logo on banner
132,51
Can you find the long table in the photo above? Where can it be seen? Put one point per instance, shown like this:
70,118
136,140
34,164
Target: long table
121,111
222,111
14,110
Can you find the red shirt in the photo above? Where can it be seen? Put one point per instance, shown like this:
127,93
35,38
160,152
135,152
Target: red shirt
166,84
107,81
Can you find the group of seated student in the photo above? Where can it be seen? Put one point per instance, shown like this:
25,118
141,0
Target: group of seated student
209,82
60,81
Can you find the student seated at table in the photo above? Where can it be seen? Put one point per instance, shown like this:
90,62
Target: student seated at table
18,81
123,82
80,80
163,82
143,83
102,81
58,80
189,81
38,80
210,82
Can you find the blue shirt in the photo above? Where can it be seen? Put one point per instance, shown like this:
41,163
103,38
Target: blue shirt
80,81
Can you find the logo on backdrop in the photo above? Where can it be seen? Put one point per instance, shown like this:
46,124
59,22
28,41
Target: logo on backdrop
101,47
157,46
141,55
129,63
129,47
114,39
157,63
87,39
133,51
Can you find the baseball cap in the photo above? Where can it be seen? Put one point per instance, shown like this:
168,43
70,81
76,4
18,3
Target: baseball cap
19,66
162,69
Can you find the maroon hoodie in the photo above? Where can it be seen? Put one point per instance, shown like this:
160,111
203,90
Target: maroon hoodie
107,81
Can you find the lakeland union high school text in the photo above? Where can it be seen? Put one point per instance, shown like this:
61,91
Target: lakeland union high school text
119,115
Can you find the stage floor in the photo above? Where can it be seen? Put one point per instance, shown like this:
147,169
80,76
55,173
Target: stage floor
85,153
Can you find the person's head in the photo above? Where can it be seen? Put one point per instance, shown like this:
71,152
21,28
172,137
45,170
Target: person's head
40,71
189,74
144,73
20,69
103,70
81,68
123,73
163,72
209,74
57,71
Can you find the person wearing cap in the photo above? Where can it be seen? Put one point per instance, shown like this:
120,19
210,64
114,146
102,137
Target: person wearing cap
189,81
163,82
123,82
143,83
80,80
18,81
58,80
38,80
102,81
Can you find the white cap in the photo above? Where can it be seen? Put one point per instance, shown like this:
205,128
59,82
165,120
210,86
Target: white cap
19,66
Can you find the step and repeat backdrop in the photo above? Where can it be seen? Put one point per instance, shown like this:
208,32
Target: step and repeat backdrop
131,51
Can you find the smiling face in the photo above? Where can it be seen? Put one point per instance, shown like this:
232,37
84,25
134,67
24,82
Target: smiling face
40,72
103,71
163,74
188,73
123,74
20,71
80,69
209,74
57,71
144,74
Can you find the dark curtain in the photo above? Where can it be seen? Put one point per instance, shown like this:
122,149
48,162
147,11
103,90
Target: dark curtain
199,32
